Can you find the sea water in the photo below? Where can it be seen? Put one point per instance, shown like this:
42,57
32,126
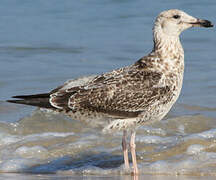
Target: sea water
44,43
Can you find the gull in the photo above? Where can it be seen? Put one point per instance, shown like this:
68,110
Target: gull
132,96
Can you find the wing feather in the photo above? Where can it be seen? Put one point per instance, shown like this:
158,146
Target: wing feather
129,90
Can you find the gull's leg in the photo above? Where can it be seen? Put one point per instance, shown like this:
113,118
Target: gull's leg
133,152
125,149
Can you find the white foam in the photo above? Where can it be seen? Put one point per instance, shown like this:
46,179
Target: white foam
31,152
6,139
155,139
203,135
159,166
92,170
181,129
195,149
51,134
208,134
152,130
46,135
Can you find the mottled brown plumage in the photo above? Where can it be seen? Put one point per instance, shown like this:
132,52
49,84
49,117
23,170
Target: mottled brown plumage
113,91
134,95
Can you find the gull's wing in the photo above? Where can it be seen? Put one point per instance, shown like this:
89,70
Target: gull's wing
128,90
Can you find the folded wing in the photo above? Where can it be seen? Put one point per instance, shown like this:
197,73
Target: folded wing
128,90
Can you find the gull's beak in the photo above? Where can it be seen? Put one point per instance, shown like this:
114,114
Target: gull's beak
202,23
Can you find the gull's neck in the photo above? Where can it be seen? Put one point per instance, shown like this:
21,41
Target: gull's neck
167,46
168,52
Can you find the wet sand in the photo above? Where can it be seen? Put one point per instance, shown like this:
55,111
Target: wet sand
108,177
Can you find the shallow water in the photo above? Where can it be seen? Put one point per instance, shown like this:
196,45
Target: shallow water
44,43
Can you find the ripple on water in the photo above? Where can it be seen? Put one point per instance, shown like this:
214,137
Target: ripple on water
57,48
52,143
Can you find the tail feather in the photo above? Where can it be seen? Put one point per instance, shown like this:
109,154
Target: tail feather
44,95
39,100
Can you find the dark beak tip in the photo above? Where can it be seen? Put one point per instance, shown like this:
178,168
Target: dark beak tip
203,23
207,24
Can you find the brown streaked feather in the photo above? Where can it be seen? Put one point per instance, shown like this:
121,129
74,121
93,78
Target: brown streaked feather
128,90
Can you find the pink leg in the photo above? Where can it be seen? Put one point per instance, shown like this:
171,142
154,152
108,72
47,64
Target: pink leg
133,152
125,149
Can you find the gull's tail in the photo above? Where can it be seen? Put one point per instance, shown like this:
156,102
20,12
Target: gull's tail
39,100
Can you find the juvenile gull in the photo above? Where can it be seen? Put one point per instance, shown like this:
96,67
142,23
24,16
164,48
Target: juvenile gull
130,96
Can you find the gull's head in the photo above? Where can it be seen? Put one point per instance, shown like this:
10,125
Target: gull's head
172,22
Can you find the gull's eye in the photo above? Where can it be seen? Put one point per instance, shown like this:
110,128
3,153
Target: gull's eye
176,16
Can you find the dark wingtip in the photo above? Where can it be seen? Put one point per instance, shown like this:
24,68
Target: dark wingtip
14,101
18,97
39,100
44,95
